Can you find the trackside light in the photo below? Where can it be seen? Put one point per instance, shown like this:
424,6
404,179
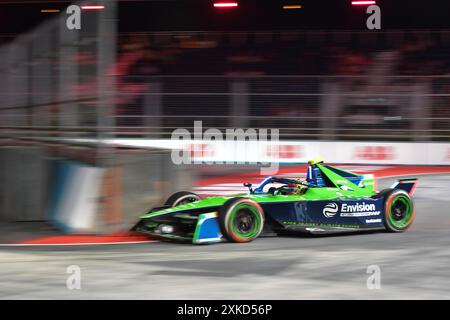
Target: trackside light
225,4
92,7
291,7
363,3
50,10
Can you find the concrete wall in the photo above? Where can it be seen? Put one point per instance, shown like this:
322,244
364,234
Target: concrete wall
148,179
24,181
31,187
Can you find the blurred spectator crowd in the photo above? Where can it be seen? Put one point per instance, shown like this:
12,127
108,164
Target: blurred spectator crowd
289,53
370,64
167,80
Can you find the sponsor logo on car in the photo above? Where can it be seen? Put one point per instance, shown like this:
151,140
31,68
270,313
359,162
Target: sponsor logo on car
373,220
351,210
314,230
330,210
359,210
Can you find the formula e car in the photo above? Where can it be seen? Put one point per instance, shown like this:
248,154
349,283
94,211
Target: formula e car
329,200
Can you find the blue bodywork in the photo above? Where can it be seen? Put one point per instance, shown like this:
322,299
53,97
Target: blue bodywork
207,229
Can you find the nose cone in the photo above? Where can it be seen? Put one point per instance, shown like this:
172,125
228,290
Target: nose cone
212,202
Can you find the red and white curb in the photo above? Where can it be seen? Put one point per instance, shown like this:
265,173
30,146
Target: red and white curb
71,244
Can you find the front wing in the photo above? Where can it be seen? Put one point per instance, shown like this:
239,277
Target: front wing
198,229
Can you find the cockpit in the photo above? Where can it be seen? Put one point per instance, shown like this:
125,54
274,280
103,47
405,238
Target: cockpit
279,186
288,186
317,176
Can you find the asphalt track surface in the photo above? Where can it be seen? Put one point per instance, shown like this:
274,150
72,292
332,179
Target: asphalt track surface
414,264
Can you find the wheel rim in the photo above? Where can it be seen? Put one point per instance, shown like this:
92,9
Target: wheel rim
245,221
400,212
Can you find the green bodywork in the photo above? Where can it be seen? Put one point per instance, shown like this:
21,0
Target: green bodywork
343,189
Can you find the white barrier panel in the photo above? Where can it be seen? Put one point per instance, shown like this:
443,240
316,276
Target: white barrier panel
74,201
297,151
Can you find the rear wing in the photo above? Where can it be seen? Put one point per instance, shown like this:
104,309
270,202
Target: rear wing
408,185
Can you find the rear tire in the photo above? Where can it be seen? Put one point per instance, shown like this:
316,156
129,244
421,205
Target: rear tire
241,220
399,211
182,197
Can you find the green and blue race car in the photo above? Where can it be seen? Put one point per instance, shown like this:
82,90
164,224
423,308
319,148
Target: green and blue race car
329,200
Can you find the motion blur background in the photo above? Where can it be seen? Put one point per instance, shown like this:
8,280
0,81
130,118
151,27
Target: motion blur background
85,114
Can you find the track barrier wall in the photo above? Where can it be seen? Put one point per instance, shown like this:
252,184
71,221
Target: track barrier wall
78,196
209,151
24,180
74,199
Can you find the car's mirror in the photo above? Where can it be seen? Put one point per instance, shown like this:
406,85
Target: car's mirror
248,185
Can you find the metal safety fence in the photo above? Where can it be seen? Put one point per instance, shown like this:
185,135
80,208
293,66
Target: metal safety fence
301,107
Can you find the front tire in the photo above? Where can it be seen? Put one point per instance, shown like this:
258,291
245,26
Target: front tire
241,220
399,211
182,197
